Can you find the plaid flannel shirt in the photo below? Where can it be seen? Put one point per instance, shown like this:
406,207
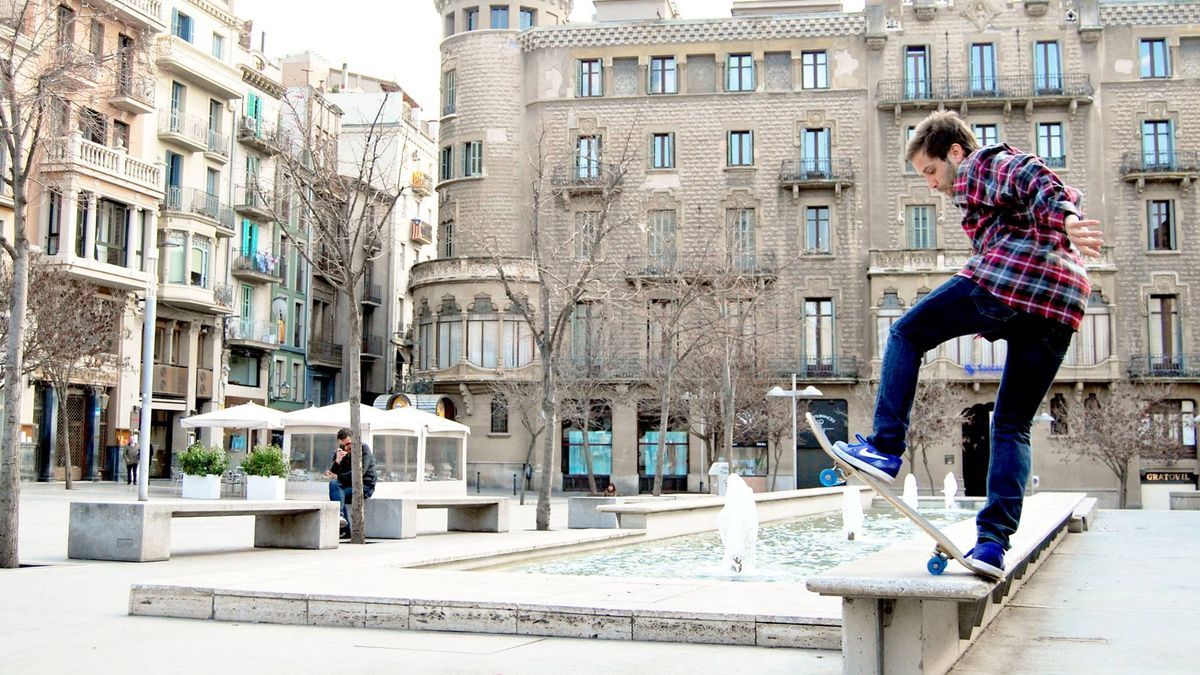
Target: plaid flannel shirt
1013,210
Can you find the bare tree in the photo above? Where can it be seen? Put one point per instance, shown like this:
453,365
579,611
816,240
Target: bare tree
523,397
344,196
47,61
583,391
565,267
78,333
1114,428
938,411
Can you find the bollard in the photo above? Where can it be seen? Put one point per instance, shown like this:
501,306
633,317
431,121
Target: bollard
515,485
476,482
701,487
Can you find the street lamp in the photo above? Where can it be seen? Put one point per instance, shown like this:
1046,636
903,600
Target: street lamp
808,392
147,371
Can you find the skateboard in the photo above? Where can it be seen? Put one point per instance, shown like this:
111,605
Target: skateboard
943,549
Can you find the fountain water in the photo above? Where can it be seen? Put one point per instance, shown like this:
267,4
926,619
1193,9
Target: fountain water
852,513
950,490
910,491
738,525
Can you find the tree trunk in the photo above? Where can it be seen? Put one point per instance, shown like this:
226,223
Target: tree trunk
60,405
664,421
587,454
10,456
353,353
548,393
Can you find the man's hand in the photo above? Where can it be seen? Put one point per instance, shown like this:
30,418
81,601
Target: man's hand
1085,235
330,474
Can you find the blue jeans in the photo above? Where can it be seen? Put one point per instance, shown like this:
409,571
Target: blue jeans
1036,347
338,494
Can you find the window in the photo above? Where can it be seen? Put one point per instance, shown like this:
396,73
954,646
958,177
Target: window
908,135
1050,144
518,342
528,18
818,333
243,370
471,18
449,92
1047,68
983,68
1154,58
591,79
814,70
181,25
586,324
218,46
1158,145
660,238
449,24
499,17
447,163
53,222
1160,218
663,79
922,232
64,30
741,238
916,72
986,134
814,153
247,306
1058,410
741,148
120,138
447,239
662,343
1174,421
215,142
298,326
816,229
425,345
890,310
112,222
96,39
739,72
176,257
1092,344
662,151
499,415
449,339
473,158
483,340
587,157
1166,333
93,126
586,223
201,251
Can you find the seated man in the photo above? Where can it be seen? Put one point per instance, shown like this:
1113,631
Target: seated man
341,485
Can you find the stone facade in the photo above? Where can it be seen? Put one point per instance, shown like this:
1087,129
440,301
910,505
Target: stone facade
874,261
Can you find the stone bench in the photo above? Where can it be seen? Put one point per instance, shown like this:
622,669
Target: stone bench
141,531
1084,516
396,518
582,512
1185,501
898,618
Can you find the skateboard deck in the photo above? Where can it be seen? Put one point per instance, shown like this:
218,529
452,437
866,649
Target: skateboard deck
944,549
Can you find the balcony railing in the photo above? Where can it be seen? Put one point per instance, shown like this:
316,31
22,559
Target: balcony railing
258,134
223,295
1143,366
1164,162
372,293
218,144
145,12
422,232
422,183
582,177
108,163
372,346
170,380
322,350
258,264
134,92
254,201
753,263
833,367
1022,87
194,202
183,128
822,173
176,54
253,331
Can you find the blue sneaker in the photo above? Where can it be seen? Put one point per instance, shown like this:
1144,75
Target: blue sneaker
863,456
987,559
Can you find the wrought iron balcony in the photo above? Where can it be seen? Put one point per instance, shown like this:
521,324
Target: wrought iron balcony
422,232
257,265
258,134
1144,366
326,352
192,201
821,174
586,177
253,333
422,183
372,346
134,92
372,294
833,367
1179,166
984,90
254,201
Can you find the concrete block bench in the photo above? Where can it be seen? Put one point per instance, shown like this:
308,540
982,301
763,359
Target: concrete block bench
1084,516
583,514
898,618
141,531
396,518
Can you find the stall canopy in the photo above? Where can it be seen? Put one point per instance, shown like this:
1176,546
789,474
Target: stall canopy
244,416
334,416
413,420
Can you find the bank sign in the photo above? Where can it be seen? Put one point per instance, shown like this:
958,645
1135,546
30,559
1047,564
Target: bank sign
1176,477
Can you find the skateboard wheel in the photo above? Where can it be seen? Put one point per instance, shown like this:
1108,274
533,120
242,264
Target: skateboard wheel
829,478
936,565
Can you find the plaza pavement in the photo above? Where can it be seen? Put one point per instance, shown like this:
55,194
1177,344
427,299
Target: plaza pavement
1110,600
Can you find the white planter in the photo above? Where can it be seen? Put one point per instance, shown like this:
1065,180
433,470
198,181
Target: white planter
265,487
202,487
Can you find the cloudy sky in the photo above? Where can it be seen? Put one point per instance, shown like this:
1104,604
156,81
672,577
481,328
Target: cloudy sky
391,39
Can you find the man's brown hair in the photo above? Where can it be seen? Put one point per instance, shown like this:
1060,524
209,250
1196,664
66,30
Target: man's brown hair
937,132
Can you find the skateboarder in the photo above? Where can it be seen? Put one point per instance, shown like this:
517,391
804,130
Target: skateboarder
1024,282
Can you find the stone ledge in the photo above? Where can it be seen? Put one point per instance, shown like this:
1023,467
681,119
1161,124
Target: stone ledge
1084,516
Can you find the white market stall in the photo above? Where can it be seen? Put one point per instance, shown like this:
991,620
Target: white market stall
310,436
418,453
249,416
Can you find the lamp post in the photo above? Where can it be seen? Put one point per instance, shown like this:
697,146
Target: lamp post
147,371
808,392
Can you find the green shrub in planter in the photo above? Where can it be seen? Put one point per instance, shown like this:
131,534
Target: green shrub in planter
265,460
198,460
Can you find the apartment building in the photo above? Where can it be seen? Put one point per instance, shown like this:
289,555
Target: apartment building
779,132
